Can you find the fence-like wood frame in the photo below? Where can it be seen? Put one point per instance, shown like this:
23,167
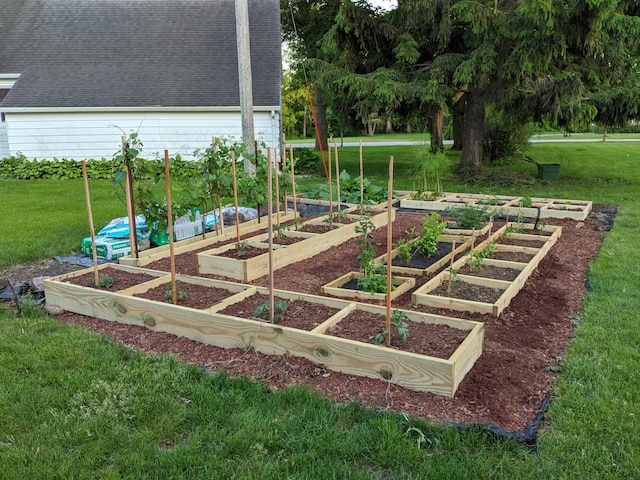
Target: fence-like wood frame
422,296
248,269
547,207
410,370
402,284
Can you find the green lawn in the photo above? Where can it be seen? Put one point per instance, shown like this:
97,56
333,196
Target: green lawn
74,405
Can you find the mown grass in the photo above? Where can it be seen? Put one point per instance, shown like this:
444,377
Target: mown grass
74,405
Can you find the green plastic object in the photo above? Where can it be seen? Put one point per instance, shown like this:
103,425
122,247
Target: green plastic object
549,171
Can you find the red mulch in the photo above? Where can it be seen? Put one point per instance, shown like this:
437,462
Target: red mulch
505,388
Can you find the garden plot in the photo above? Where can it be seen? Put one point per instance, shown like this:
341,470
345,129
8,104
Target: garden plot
225,260
195,243
481,294
322,345
505,205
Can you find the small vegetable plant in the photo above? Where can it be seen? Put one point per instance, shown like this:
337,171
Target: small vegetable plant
432,228
104,281
262,311
242,248
469,216
373,280
477,257
406,247
181,292
399,328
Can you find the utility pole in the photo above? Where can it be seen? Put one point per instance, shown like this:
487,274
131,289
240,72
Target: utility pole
245,80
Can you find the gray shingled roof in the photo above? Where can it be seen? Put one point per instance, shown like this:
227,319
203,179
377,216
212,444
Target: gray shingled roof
106,53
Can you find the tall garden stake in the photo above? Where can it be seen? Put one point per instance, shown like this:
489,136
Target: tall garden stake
293,186
270,231
131,210
389,246
276,173
235,195
335,149
361,178
91,227
284,162
453,249
167,180
330,187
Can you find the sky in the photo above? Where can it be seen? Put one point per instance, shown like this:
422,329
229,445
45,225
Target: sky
384,4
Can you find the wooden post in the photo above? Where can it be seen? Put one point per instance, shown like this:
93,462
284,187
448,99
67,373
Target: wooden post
270,233
284,162
167,179
389,242
131,211
91,227
473,238
330,185
335,149
235,195
277,177
293,186
361,178
453,249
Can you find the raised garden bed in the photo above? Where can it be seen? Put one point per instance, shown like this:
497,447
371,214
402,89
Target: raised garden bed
506,205
479,293
414,371
346,287
248,269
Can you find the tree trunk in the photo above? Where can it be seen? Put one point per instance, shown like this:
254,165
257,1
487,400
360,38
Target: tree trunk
321,119
458,126
304,124
473,132
437,122
388,127
408,128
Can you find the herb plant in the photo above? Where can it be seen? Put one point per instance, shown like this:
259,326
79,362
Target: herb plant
399,328
263,311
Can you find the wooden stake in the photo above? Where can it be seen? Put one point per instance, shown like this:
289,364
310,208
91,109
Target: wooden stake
284,162
270,234
214,145
277,178
389,246
131,211
330,185
293,186
473,237
453,249
335,149
167,178
235,195
361,178
87,197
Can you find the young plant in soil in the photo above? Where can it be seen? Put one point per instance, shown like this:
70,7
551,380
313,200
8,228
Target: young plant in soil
181,292
432,228
373,279
469,217
452,280
104,281
242,248
405,247
399,328
477,257
262,312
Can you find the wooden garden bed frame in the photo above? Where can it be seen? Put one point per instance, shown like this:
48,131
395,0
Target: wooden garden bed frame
335,288
510,205
146,257
410,370
248,269
510,288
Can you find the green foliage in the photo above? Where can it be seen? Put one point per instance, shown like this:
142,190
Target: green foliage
20,168
477,257
399,328
432,228
181,292
350,191
373,279
104,281
406,247
242,248
468,216
306,161
262,311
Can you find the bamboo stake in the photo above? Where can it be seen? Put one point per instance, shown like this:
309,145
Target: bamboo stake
270,234
131,212
335,149
293,186
284,162
361,178
87,197
167,178
220,219
389,242
453,249
235,195
473,237
277,179
330,185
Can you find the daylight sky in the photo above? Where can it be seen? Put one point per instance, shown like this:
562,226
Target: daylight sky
385,4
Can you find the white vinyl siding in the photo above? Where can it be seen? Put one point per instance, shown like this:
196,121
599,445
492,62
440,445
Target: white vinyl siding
86,135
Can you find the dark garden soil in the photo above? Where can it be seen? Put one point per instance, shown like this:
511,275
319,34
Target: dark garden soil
507,384
121,279
513,256
490,271
188,294
466,291
419,261
247,252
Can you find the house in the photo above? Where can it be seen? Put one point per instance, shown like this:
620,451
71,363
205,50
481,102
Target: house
76,75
